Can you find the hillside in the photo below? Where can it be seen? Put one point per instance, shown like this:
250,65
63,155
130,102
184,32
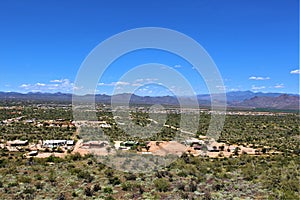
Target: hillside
284,101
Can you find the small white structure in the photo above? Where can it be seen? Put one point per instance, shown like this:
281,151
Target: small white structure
70,142
193,141
33,153
105,125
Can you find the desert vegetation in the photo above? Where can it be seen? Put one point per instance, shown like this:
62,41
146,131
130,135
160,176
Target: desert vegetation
268,176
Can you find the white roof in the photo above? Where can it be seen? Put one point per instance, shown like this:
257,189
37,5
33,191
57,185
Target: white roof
70,141
54,141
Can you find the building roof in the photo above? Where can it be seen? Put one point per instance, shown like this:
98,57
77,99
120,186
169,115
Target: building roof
54,141
17,142
70,141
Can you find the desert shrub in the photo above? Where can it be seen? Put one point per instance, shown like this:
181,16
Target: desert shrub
114,181
162,184
29,190
101,166
130,177
12,184
76,156
11,170
90,162
51,176
74,170
180,186
161,174
207,196
85,175
3,162
248,172
109,198
192,187
74,194
39,185
127,186
108,190
54,159
88,192
24,179
61,197
109,173
96,188
59,150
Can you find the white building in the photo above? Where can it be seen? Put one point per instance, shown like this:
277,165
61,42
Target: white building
56,143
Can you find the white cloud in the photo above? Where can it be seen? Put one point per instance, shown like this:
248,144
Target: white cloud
40,84
259,78
257,87
177,66
296,71
63,85
25,86
278,86
221,87
56,81
234,89
145,80
119,83
135,83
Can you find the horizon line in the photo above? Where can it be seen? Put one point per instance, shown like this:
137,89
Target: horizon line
39,92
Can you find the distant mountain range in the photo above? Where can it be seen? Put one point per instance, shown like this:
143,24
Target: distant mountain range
242,99
282,102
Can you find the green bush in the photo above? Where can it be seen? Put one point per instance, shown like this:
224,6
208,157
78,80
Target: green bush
127,186
108,190
85,175
162,184
88,192
114,181
24,179
13,184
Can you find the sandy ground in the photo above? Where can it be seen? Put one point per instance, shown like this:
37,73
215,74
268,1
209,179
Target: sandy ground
79,150
161,148
97,151
165,148
45,155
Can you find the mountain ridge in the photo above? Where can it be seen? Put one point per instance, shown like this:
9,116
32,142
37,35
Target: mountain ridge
246,99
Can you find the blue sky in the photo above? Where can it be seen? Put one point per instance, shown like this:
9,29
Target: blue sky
254,43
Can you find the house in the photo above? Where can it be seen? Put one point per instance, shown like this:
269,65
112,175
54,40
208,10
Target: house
123,148
70,143
17,143
212,149
55,143
129,143
95,144
29,121
193,141
197,147
125,145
